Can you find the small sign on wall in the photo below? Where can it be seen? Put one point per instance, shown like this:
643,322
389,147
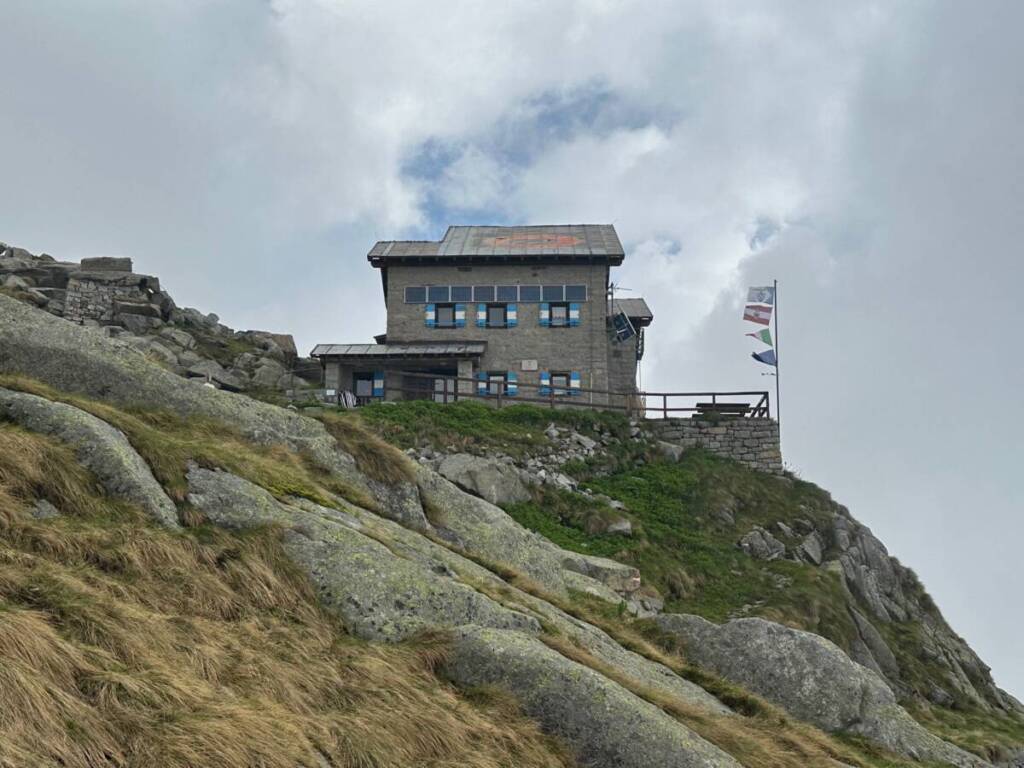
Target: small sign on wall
529,365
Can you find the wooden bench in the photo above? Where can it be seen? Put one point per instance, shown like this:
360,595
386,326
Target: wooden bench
725,409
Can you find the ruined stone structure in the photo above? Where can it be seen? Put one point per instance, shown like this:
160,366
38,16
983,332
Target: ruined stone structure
106,290
753,442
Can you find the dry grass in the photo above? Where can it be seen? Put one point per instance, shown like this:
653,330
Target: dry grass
126,645
168,443
374,457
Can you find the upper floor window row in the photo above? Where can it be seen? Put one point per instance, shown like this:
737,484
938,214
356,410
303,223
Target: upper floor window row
525,294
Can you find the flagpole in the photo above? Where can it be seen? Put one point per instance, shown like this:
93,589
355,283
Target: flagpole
778,400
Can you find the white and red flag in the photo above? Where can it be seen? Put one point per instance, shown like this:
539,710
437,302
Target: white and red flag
758,313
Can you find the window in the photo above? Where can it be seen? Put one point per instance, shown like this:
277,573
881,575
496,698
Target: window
462,293
553,292
496,315
575,293
508,293
416,294
362,383
445,317
437,293
483,293
560,383
529,293
496,383
559,314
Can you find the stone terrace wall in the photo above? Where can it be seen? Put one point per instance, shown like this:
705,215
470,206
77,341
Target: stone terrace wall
753,442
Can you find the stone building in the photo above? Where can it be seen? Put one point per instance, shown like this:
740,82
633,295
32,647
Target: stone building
523,312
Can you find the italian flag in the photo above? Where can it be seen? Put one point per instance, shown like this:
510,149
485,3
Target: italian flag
764,336
758,313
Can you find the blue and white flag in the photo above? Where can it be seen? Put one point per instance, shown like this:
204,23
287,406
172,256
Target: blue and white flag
763,295
767,357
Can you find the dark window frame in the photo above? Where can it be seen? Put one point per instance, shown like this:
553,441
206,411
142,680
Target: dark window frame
437,314
497,380
504,314
545,289
575,298
525,299
462,297
483,299
511,295
562,305
447,294
563,389
415,288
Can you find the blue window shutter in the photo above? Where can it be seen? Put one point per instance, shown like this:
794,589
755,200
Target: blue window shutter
460,315
481,315
511,316
511,383
378,383
575,381
481,383
545,314
574,314
431,316
545,383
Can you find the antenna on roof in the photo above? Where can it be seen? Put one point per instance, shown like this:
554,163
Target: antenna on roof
612,288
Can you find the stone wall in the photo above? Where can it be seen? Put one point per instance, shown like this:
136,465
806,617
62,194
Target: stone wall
753,442
106,290
582,348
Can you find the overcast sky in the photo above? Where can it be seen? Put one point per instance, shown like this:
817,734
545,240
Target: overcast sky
869,157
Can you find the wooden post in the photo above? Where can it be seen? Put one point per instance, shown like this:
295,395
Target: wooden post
664,406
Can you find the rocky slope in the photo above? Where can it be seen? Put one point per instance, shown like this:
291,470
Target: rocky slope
392,549
814,531
105,294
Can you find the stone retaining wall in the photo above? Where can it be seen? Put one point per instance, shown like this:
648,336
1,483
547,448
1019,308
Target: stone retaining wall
753,442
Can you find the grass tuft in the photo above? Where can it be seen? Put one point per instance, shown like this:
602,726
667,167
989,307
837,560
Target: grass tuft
374,457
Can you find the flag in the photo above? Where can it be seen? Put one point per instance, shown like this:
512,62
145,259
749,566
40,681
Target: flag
767,357
757,313
763,295
765,336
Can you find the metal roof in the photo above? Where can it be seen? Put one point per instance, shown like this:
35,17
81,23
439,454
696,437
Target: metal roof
594,241
635,309
465,349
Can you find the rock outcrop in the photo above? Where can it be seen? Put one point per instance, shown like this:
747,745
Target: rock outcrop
98,446
761,545
498,482
107,295
812,679
613,726
891,592
379,595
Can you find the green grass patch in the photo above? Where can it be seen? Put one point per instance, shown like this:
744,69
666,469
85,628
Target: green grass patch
686,549
993,735
461,425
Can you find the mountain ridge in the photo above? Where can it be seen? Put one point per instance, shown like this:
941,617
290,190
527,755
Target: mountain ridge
522,609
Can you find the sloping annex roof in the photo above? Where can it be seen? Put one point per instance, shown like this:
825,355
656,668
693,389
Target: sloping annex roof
556,243
636,310
378,351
